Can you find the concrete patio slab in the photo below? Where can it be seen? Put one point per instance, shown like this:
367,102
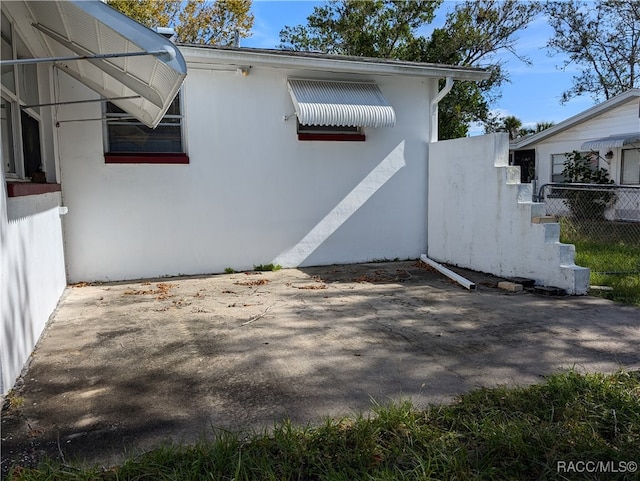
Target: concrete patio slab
125,366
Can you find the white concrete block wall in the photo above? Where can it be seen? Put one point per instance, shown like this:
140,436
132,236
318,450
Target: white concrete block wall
480,217
32,275
252,193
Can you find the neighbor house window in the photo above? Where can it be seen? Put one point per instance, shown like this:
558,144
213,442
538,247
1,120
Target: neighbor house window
130,141
19,113
630,167
557,165
330,132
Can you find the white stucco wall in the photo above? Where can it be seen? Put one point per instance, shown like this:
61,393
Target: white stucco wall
252,193
32,275
480,217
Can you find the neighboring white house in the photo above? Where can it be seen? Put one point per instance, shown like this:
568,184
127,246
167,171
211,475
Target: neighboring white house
263,157
611,129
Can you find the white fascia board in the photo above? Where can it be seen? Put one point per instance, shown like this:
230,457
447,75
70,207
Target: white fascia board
204,56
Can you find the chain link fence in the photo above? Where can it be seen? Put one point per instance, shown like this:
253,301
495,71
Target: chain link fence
603,222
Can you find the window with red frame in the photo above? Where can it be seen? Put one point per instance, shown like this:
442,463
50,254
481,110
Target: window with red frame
130,141
330,132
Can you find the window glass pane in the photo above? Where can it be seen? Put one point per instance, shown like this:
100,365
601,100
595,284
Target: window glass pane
8,79
557,166
129,135
174,108
630,167
28,79
30,144
27,76
114,109
136,137
8,158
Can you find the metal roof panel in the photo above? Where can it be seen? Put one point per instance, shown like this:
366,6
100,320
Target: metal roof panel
612,141
92,28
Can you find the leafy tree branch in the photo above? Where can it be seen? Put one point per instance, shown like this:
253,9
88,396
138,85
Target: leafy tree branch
195,22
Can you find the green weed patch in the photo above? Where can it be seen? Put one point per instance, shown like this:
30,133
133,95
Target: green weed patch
572,426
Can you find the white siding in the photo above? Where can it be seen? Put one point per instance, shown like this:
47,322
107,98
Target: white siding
619,120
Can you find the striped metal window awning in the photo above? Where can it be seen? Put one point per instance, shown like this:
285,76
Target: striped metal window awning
103,40
613,141
353,104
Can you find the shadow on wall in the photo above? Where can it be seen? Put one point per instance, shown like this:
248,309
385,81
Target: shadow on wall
341,213
32,281
4,227
17,322
19,208
371,233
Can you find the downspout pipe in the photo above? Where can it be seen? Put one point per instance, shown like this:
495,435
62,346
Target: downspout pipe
434,108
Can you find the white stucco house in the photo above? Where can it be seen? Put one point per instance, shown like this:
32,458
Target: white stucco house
610,129
257,156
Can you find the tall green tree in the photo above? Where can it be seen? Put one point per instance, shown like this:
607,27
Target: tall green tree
369,28
195,21
602,40
474,32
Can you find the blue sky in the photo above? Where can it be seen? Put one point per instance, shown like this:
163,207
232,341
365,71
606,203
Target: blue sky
532,96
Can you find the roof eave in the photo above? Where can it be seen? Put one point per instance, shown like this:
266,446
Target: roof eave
576,119
283,59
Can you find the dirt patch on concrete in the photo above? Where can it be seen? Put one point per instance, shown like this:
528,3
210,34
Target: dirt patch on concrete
125,366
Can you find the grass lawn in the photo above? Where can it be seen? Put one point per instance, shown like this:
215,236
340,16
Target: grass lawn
612,252
616,266
572,426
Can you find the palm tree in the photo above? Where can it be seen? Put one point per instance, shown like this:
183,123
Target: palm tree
540,126
513,126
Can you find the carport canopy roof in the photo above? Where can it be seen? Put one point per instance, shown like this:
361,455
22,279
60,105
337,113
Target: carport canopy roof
143,86
612,141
